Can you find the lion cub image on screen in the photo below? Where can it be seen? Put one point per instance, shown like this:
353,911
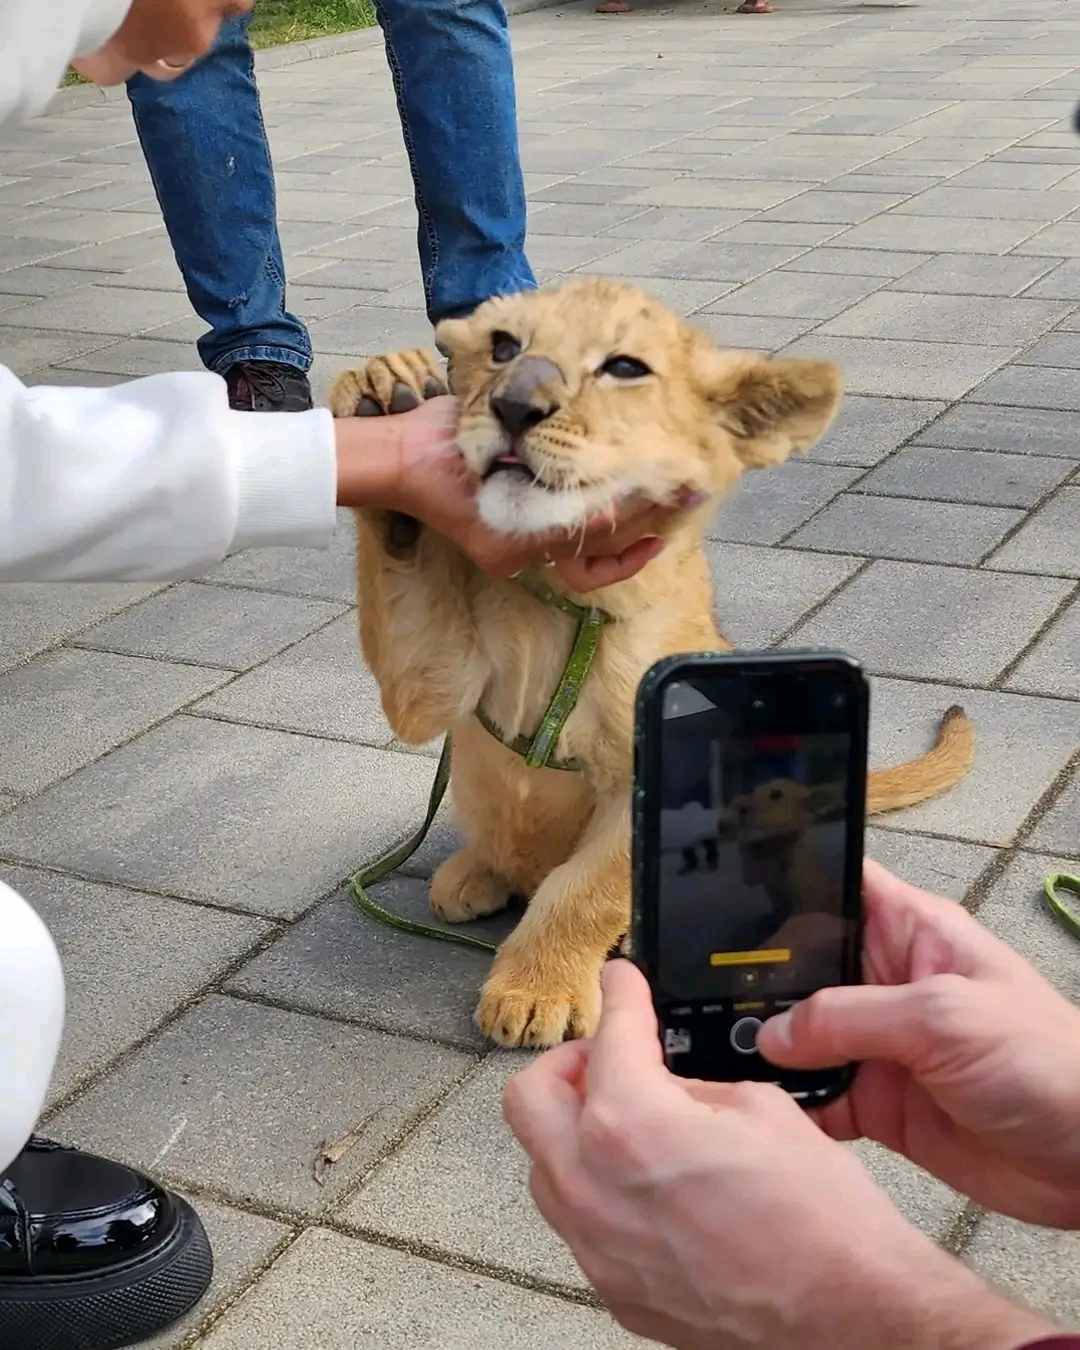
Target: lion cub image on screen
753,845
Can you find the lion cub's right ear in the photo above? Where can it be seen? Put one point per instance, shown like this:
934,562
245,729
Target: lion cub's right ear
771,408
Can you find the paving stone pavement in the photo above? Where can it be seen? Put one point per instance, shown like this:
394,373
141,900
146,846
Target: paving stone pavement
188,773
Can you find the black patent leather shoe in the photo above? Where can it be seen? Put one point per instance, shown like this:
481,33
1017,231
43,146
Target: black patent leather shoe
93,1255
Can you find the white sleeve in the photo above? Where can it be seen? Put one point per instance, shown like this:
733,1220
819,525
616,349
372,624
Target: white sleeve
38,40
153,479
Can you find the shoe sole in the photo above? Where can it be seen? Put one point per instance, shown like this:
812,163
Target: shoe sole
116,1307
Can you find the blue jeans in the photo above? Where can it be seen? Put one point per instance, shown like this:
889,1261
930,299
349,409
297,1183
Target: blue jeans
205,145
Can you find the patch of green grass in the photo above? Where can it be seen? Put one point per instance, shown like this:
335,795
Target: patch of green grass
279,21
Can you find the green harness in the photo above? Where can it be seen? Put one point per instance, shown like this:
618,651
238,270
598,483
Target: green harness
538,752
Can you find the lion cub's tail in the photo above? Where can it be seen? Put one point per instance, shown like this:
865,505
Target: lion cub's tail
940,768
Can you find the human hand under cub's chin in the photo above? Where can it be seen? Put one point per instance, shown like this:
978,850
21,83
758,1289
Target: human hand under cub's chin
428,480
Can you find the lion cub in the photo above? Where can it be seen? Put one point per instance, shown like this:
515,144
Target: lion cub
570,400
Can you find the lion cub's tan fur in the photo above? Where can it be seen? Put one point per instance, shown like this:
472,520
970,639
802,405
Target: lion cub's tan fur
444,640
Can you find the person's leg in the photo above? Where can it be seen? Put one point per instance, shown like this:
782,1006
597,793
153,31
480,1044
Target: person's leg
206,148
454,78
31,1020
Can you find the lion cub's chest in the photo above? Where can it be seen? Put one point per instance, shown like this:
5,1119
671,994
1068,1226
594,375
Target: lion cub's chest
525,646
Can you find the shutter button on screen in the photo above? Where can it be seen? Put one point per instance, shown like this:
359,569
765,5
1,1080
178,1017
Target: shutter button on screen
744,1035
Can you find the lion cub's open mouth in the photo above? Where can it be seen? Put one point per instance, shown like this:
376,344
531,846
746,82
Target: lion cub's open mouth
512,464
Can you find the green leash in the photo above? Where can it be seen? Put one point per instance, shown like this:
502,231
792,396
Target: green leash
1066,912
538,752
401,852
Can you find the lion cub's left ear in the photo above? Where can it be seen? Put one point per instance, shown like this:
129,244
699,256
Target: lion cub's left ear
772,408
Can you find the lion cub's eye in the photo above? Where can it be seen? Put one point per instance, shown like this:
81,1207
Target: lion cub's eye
504,348
625,368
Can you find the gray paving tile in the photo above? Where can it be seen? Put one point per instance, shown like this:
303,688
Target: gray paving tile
985,477
242,1243
1021,744
868,429
324,574
919,531
762,334
367,330
760,592
319,686
35,615
840,208
108,938
41,281
260,820
940,866
66,708
98,309
659,222
1034,387
211,625
240,1097
1053,666
990,204
1016,912
1031,177
710,261
1049,542
922,370
1036,1266
684,297
977,274
1059,829
796,295
1056,241
460,1168
1021,431
117,255
339,962
406,1302
1062,283
939,622
729,194
767,505
26,350
803,234
942,234
1059,350
134,357
903,315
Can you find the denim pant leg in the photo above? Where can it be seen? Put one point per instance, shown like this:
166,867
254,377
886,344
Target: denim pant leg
454,78
205,145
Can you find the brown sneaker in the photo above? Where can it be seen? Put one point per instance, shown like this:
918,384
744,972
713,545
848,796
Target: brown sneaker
268,386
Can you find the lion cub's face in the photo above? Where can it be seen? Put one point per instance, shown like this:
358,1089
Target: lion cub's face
574,398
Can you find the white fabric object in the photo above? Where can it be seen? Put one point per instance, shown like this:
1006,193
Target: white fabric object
31,1020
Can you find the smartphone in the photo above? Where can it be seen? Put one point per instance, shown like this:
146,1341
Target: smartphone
749,808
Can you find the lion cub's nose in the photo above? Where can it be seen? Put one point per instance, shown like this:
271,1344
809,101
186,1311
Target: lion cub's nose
526,398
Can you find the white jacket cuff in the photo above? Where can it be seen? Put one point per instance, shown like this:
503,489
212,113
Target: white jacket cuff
286,477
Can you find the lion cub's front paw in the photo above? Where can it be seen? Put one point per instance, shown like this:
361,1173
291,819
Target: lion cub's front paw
388,384
518,1007
463,889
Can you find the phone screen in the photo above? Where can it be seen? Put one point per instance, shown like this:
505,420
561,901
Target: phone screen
757,814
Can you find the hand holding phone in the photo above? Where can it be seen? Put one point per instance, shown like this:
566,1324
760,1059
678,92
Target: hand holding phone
750,792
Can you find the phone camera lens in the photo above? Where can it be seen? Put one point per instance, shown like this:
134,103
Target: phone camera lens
838,700
758,705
